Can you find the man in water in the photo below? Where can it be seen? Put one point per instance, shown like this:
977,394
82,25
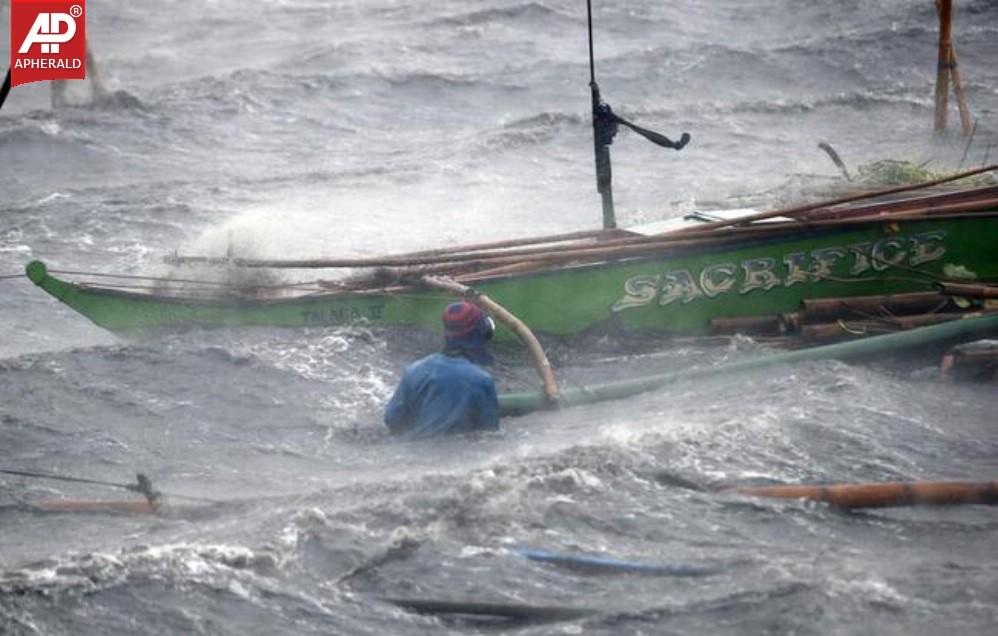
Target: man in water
449,392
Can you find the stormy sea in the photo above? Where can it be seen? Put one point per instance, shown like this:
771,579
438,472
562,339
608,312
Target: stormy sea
347,128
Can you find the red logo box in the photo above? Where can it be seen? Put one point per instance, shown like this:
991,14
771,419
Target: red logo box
48,40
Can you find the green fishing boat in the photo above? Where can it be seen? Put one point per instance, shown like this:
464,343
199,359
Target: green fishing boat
682,277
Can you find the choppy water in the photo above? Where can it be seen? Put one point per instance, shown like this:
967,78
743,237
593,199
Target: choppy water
340,128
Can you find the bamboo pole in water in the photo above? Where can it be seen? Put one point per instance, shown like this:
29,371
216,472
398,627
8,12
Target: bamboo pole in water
967,328
884,495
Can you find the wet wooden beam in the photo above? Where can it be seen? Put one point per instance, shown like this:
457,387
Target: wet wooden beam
884,495
969,290
945,10
949,70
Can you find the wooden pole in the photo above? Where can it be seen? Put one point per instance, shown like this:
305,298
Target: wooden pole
969,290
97,89
961,97
885,495
799,210
534,348
949,67
945,10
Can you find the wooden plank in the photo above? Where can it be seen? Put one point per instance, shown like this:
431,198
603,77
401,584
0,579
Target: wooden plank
884,495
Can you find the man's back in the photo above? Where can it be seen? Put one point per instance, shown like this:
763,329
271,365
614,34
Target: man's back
443,394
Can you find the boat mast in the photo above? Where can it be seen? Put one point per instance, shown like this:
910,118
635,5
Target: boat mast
603,132
605,125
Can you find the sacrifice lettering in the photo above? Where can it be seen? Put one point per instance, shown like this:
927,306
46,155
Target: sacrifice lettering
798,267
333,316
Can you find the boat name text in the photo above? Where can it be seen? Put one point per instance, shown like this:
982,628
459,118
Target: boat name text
342,316
765,273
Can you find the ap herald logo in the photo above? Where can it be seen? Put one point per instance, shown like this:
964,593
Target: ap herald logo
48,40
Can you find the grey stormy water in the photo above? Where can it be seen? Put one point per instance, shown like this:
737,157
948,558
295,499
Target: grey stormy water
355,128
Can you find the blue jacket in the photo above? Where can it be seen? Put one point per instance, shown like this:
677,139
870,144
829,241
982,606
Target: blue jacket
443,394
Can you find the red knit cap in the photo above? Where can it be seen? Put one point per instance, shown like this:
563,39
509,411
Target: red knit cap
460,319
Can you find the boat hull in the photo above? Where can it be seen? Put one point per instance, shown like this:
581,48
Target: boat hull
676,291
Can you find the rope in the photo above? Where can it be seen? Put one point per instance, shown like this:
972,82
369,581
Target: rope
133,277
9,276
178,280
142,485
179,293
201,294
844,327
867,279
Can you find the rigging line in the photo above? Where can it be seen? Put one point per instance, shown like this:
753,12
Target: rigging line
11,276
176,280
318,285
198,293
99,482
868,279
190,293
71,272
925,277
911,270
849,330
